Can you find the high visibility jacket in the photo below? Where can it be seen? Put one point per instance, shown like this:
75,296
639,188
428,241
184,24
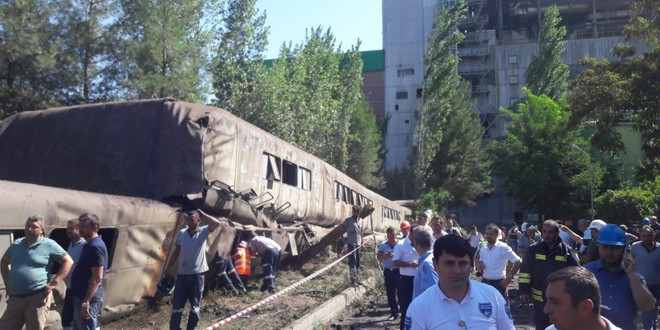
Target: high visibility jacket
539,262
242,261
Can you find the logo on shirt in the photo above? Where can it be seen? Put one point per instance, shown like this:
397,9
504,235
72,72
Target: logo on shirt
507,309
486,309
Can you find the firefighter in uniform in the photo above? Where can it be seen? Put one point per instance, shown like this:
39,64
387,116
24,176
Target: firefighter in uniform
540,260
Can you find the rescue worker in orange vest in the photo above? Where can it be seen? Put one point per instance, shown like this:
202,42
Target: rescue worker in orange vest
242,262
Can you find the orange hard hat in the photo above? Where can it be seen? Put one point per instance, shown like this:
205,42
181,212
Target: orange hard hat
404,224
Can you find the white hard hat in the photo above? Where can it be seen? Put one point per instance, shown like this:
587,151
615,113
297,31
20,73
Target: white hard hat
597,224
523,226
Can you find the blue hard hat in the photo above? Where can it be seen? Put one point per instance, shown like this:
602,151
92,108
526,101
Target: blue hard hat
166,285
612,235
646,221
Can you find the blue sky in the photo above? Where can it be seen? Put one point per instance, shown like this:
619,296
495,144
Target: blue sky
349,21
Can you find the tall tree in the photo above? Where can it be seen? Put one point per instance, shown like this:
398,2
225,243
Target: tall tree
450,156
238,61
166,46
90,54
547,73
28,56
538,164
364,148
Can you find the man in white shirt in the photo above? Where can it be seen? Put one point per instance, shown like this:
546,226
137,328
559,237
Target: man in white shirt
405,257
573,301
457,302
493,259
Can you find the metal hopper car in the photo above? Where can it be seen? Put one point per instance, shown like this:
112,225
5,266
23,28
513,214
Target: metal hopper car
136,163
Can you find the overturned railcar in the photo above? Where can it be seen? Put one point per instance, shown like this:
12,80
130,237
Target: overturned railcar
136,163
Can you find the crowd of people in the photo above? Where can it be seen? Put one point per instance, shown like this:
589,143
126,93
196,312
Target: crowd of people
597,277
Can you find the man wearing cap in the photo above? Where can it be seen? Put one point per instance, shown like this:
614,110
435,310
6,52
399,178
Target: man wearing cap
542,259
405,257
647,258
191,247
623,290
390,272
591,253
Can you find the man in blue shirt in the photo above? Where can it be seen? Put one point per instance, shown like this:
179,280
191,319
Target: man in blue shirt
87,279
623,290
25,268
75,248
390,272
426,276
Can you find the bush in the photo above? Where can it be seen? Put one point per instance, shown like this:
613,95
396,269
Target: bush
625,205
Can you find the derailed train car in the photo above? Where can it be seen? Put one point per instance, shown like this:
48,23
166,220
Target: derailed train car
166,152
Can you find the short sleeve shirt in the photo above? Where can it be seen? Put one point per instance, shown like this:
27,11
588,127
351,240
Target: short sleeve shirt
353,230
192,258
30,265
260,244
483,307
495,260
385,247
405,252
426,276
647,262
94,254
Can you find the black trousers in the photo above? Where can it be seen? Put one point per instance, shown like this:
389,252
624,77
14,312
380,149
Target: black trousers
391,282
405,293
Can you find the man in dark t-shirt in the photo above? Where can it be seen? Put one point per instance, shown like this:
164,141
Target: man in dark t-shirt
87,279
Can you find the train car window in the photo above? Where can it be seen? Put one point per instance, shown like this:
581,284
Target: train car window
6,238
59,235
348,197
109,236
290,173
339,190
272,167
305,178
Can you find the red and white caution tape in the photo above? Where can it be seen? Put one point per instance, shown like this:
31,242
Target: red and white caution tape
275,296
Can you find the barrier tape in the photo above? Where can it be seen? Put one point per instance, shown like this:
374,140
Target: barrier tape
278,294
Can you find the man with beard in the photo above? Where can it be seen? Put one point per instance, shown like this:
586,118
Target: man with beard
493,259
623,290
540,260
647,259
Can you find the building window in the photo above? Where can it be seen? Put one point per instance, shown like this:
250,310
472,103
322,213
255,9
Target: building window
407,121
405,72
401,95
396,107
419,93
513,59
513,80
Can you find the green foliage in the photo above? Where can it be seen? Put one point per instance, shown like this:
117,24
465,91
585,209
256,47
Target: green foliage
28,51
645,24
238,61
400,184
547,73
165,47
538,165
450,156
434,199
625,205
364,148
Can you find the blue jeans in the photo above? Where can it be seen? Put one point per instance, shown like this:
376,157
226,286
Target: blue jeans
649,318
187,287
269,261
391,282
86,324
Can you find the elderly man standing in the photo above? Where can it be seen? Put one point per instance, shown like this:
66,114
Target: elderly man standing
191,245
25,268
493,259
87,279
426,276
390,272
647,260
541,259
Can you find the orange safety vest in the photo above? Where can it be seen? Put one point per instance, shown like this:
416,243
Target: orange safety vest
242,261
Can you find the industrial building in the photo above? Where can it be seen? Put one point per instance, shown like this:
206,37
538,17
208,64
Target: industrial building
501,37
